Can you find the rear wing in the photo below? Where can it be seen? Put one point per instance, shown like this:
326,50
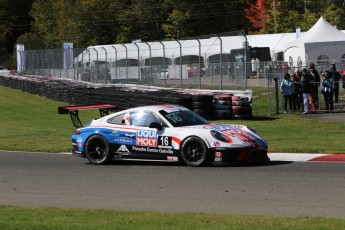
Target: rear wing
104,110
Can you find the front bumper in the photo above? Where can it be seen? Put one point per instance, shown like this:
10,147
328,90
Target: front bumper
240,155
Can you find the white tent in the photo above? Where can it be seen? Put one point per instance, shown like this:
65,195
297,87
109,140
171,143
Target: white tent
204,47
322,42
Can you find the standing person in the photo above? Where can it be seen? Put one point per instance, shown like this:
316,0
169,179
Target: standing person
315,91
306,89
287,87
296,105
335,75
299,75
327,90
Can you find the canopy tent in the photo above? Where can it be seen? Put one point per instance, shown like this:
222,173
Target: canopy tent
321,43
174,49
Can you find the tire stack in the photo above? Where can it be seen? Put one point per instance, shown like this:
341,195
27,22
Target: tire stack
241,107
223,106
203,105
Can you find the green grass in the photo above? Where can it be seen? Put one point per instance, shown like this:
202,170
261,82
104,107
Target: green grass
55,218
31,123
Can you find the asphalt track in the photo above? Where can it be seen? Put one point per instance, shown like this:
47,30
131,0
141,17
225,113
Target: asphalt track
282,188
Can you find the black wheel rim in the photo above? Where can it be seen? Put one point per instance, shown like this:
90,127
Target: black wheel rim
97,149
194,152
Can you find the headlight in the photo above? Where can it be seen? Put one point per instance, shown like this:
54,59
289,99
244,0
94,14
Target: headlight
219,136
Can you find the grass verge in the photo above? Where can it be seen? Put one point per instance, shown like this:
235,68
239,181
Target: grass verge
55,218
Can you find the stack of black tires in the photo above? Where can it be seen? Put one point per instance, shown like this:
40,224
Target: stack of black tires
203,105
223,106
241,107
208,105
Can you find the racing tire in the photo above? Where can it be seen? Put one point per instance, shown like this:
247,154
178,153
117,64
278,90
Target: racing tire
194,152
97,150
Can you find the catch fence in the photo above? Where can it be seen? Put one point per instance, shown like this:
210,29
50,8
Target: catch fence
139,64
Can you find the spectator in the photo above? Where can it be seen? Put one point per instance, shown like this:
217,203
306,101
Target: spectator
299,75
306,88
287,87
327,90
314,94
296,104
335,75
315,90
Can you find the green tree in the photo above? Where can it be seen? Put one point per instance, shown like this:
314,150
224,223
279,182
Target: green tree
45,22
31,41
14,21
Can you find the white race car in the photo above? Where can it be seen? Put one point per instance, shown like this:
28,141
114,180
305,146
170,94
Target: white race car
162,133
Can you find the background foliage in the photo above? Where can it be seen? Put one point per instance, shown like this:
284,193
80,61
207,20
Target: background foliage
44,24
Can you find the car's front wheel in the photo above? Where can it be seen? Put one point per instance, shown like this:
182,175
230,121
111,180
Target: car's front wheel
97,150
194,152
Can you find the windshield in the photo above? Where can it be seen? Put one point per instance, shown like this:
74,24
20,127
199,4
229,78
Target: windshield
183,118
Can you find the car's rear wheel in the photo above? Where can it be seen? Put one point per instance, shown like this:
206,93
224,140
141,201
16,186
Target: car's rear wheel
194,152
97,150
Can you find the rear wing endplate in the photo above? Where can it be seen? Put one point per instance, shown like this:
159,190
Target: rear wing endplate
72,110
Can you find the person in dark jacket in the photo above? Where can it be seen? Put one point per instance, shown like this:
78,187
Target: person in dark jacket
335,75
306,88
314,94
327,90
296,102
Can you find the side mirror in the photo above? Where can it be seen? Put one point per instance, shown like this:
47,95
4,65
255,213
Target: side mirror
156,125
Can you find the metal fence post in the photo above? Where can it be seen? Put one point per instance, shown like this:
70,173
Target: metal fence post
126,63
180,61
115,63
220,61
165,80
150,60
138,61
276,94
199,62
106,65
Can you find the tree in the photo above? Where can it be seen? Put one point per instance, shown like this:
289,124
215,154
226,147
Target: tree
45,22
259,16
14,21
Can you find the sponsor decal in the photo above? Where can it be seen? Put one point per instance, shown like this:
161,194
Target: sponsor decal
219,149
124,141
172,158
146,138
129,134
80,139
217,159
218,154
152,150
216,143
141,149
123,149
166,151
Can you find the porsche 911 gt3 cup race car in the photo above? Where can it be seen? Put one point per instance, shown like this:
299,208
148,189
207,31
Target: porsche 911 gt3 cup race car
162,133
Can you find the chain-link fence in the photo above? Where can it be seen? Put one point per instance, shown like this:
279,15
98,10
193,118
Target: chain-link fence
204,63
93,66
